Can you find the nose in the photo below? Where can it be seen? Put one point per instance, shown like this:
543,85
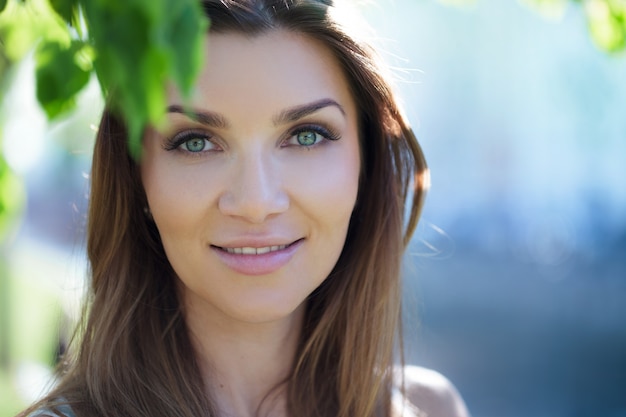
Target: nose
255,191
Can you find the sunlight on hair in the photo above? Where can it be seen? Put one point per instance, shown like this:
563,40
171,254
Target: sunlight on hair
422,180
348,14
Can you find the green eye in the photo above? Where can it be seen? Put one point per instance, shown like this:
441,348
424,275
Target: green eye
195,144
307,138
192,143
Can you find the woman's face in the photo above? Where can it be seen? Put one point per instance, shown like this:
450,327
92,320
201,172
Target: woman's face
252,189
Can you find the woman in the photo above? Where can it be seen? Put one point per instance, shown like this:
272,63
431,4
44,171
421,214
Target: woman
249,264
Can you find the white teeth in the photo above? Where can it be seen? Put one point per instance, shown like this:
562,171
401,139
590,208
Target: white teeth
248,251
255,251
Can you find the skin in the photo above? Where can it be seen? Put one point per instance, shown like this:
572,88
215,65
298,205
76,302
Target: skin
429,394
253,185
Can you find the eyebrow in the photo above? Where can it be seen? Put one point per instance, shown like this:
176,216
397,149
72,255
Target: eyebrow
289,115
298,112
208,118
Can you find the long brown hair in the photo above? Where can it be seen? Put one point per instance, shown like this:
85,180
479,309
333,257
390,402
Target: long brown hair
134,357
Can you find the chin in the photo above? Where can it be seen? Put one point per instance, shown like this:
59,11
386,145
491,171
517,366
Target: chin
269,312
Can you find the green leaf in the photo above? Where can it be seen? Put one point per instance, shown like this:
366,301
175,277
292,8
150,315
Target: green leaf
23,24
142,45
60,76
607,23
3,4
186,47
65,9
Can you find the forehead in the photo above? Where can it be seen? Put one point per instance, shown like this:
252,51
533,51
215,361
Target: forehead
275,68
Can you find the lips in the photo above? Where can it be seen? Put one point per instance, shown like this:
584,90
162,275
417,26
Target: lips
258,259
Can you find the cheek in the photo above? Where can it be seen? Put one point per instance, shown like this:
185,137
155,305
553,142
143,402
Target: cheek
178,210
177,198
328,188
162,190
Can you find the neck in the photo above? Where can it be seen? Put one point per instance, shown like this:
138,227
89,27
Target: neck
244,364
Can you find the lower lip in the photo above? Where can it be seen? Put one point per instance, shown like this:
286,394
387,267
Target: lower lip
258,264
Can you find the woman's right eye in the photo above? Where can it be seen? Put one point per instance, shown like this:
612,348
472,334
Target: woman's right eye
191,142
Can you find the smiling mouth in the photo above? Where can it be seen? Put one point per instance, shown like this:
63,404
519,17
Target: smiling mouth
246,250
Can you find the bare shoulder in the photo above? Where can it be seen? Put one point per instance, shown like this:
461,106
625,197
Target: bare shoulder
431,393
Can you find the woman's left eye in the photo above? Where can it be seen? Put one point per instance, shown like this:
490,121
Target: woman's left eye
309,136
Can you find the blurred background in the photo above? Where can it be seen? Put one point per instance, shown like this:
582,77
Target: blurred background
516,279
